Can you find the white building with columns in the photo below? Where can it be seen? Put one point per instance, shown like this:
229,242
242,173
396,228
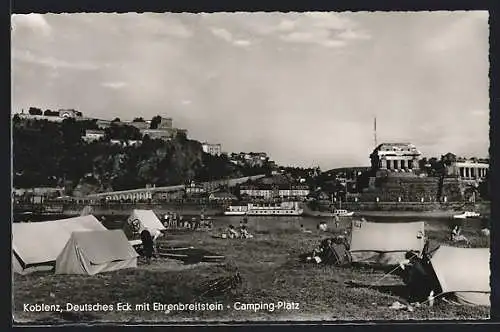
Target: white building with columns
396,157
472,170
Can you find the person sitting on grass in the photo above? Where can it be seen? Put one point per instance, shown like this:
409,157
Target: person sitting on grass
147,245
303,230
209,224
316,255
244,233
232,233
457,237
322,226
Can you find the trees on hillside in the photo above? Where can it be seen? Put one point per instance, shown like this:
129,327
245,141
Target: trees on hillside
35,111
484,187
49,153
124,132
51,113
155,121
448,159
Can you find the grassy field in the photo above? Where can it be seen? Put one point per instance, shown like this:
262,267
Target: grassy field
270,270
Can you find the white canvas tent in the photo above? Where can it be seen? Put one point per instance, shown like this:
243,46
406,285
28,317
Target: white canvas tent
35,246
385,243
94,252
142,219
464,272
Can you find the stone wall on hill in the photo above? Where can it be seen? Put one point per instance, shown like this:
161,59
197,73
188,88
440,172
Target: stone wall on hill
413,189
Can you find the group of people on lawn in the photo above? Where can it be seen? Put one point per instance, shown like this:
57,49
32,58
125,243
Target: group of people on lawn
240,233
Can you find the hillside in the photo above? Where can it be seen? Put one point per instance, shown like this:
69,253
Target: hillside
54,154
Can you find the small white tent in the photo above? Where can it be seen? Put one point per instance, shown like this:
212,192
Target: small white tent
35,246
385,243
94,252
142,219
464,272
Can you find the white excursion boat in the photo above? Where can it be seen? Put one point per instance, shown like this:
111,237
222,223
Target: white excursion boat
467,214
281,209
342,213
236,210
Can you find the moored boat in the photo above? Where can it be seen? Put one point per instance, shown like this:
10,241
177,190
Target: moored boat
467,214
342,213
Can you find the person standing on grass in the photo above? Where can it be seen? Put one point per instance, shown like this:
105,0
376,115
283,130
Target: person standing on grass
337,222
155,234
166,223
147,245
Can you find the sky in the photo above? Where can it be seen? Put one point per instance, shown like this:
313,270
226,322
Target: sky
303,87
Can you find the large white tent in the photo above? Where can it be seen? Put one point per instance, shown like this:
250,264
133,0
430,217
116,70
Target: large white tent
464,272
35,246
140,220
93,252
385,243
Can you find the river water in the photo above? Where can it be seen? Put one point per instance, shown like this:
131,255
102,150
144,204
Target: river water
288,223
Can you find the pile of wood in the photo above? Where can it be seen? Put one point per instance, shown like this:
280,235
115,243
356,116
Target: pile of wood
220,285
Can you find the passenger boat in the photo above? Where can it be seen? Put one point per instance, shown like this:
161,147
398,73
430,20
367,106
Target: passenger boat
467,214
281,209
236,210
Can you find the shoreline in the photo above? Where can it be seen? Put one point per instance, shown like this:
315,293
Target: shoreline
195,210
392,214
309,214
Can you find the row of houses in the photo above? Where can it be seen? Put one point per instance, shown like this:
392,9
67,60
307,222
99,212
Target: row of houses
172,192
92,135
252,159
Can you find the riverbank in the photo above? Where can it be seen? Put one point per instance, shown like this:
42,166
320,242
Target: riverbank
391,214
270,269
125,209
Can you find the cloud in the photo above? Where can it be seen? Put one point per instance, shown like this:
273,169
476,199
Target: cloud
35,22
114,85
479,112
322,28
54,63
286,25
222,33
228,37
354,35
242,42
464,28
314,37
329,20
170,26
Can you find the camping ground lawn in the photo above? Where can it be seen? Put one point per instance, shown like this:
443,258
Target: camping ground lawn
270,271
